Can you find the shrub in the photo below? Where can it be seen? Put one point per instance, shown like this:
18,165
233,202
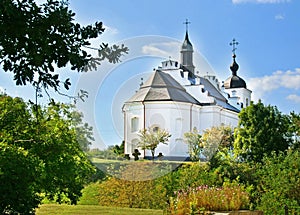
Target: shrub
204,198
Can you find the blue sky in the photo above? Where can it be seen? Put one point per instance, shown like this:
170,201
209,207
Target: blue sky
268,32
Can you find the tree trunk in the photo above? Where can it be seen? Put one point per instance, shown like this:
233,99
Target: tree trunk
152,152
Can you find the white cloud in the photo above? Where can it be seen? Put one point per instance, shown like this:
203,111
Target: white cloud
164,49
279,17
279,79
110,30
260,1
293,97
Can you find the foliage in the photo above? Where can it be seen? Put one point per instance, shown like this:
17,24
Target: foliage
133,187
50,137
217,141
37,37
196,174
194,141
19,180
279,182
204,198
261,130
119,149
295,129
150,139
90,194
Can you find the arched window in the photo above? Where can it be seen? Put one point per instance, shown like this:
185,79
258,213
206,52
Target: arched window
134,124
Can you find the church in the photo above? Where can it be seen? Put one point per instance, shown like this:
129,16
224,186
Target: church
175,98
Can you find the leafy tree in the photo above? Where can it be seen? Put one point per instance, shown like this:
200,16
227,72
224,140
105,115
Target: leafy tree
20,175
295,129
36,37
279,182
261,130
151,138
49,146
195,144
119,149
217,141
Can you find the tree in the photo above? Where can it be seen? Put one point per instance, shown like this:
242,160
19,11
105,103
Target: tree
35,38
279,182
151,138
217,141
260,131
295,129
195,144
19,180
47,145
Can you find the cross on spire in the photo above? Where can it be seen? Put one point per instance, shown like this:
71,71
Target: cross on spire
186,24
233,44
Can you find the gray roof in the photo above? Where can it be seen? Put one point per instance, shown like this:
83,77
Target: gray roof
162,87
212,91
220,100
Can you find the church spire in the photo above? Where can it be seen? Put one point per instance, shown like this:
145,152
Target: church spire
234,66
234,81
187,51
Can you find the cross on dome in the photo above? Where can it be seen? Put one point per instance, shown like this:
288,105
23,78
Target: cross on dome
233,44
186,24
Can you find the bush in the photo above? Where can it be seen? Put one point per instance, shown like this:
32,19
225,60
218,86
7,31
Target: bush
204,198
279,182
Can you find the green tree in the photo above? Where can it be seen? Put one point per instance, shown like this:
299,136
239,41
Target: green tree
195,144
20,175
58,166
36,37
151,138
295,129
279,182
261,130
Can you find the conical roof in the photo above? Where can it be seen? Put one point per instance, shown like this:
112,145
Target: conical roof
187,45
162,87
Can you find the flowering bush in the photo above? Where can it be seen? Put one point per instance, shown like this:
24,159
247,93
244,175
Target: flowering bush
204,198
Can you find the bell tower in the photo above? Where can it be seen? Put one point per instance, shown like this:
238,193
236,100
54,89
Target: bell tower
187,51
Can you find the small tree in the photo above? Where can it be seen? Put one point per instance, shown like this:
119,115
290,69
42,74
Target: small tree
194,141
217,139
150,138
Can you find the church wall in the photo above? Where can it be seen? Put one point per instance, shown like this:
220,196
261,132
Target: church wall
132,111
215,116
173,117
239,97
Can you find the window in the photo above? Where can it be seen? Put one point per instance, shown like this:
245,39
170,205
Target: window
134,124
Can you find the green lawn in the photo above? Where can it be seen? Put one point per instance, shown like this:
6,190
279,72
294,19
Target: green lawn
55,209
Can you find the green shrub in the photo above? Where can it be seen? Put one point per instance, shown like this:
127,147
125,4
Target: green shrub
279,182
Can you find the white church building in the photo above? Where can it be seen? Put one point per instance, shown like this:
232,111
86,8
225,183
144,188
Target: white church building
178,100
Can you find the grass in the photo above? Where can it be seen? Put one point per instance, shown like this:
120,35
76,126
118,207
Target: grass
55,209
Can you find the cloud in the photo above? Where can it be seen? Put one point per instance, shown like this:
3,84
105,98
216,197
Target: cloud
110,30
293,97
279,79
279,17
163,49
260,1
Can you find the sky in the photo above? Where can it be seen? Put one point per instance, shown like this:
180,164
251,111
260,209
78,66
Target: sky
268,53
